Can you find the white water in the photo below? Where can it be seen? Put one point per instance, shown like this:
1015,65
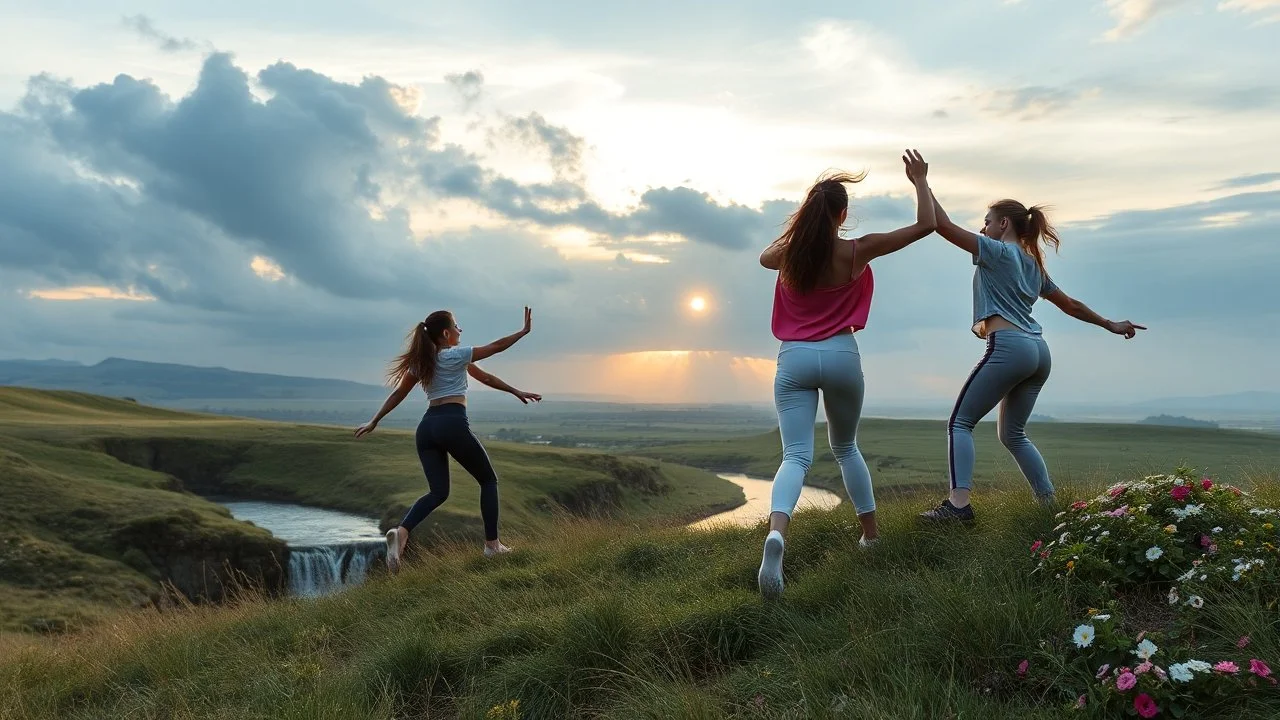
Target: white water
328,550
759,494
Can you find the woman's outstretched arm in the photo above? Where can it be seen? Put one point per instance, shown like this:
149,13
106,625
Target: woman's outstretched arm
875,245
394,399
497,346
496,383
953,233
1080,311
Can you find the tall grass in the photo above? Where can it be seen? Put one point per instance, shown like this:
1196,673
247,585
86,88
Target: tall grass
593,620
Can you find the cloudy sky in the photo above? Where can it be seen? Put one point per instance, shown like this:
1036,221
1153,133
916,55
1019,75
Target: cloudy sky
272,188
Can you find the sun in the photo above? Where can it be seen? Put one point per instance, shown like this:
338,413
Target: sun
698,304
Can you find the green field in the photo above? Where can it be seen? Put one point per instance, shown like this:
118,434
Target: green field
593,621
912,454
99,501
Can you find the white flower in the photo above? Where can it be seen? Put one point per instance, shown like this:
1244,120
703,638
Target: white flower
1096,527
1183,578
1154,552
1060,526
1195,601
1104,533
1064,512
1100,618
1083,636
1146,649
1089,539
1173,596
1180,672
1064,537
1198,665
1216,530
1179,482
1194,509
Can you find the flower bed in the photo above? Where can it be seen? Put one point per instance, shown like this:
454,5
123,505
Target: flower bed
1175,541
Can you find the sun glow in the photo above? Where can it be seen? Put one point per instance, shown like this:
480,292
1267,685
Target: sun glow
698,304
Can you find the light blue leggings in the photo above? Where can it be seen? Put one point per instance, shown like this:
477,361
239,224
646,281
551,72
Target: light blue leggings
1011,374
834,367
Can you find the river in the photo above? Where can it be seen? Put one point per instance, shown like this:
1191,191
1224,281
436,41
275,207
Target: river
330,550
759,494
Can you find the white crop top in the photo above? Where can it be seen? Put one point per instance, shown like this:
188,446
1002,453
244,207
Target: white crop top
451,373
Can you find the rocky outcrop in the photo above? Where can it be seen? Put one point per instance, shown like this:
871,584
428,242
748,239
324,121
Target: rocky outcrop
205,561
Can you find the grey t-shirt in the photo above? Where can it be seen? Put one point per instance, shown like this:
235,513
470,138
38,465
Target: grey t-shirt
1007,282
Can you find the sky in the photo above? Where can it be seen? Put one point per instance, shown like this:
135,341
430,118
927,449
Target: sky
289,188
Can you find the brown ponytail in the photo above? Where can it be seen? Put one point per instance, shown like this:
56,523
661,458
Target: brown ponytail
811,232
1031,226
424,341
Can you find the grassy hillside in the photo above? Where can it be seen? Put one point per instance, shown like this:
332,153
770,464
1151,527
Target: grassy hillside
593,620
913,453
98,504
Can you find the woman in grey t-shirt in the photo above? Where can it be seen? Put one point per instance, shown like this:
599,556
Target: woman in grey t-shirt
1008,279
436,360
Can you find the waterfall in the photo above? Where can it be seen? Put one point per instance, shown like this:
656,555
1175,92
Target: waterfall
315,571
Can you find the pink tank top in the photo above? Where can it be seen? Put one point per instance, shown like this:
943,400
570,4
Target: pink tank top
822,313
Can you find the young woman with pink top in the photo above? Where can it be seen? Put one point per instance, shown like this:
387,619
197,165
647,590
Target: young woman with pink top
822,296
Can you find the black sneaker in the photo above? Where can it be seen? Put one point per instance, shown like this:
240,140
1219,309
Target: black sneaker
946,512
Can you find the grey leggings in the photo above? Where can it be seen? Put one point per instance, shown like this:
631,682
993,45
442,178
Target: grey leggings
445,431
1011,373
834,367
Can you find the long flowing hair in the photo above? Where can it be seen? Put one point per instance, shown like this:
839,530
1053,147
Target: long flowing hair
422,346
811,231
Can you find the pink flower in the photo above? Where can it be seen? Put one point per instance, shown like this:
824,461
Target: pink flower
1180,493
1259,668
1205,541
1213,549
1118,491
1079,505
1126,681
1022,668
1080,701
1145,667
1145,706
1243,642
1206,483
1160,673
1036,546
1118,512
759,701
1228,667
1044,554
1102,671
1235,489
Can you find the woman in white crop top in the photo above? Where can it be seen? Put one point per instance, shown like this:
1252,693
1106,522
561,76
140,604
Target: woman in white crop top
437,361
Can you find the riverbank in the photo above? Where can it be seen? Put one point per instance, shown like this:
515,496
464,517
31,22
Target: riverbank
101,506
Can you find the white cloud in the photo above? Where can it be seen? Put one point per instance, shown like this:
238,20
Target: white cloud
266,269
1132,15
1269,8
90,292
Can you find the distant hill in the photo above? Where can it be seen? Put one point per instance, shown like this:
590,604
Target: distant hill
1177,421
156,382
1242,402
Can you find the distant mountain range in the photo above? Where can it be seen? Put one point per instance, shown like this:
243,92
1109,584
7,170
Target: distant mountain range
159,382
167,383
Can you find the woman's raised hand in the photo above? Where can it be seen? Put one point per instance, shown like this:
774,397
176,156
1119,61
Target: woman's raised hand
917,169
528,320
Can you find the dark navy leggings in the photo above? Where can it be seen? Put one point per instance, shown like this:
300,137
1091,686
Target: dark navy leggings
444,432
